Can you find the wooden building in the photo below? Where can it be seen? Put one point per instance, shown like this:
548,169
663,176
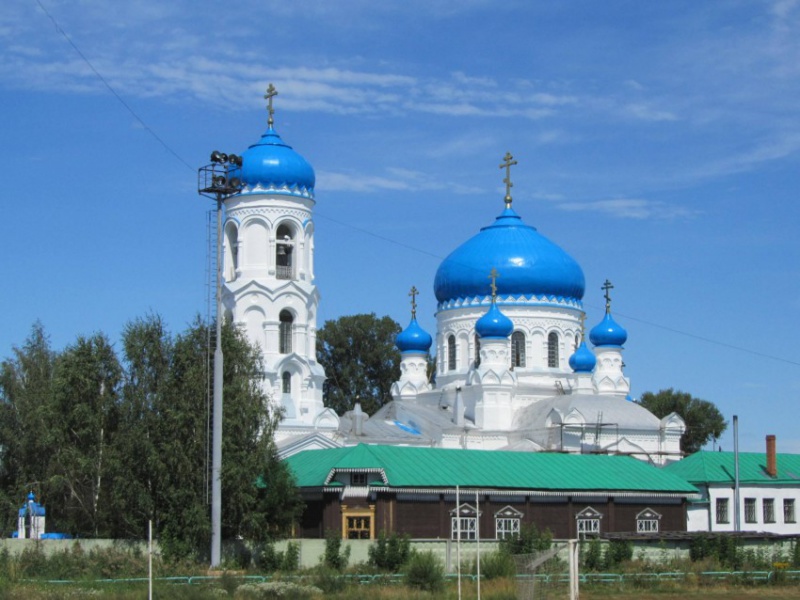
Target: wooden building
435,493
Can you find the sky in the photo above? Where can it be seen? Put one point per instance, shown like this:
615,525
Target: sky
658,143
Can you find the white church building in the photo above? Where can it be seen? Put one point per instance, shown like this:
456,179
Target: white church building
513,369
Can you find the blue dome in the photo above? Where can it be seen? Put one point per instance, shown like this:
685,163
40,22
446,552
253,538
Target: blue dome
583,360
608,333
413,339
528,263
494,324
273,166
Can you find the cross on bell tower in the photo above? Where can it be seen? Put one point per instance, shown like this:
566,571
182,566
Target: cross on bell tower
508,161
607,287
271,93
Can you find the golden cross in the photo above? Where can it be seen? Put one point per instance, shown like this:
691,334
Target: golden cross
508,160
413,293
583,330
607,287
271,93
493,275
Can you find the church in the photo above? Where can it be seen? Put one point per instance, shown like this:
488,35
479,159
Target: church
514,369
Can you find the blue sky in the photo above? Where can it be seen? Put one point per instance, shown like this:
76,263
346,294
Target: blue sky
658,143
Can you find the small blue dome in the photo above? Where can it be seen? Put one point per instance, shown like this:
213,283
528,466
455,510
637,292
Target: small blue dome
494,324
583,360
273,166
608,333
413,339
529,264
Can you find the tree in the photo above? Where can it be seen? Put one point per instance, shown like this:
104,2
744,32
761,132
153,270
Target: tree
26,393
703,420
360,360
86,378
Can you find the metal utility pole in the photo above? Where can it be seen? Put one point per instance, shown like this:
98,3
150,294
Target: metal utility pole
219,182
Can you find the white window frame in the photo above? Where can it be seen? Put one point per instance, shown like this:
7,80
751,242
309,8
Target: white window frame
507,522
468,517
648,521
588,522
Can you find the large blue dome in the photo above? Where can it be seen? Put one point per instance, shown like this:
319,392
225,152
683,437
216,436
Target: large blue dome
271,165
528,264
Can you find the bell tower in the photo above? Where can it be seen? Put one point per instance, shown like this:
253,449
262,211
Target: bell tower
268,268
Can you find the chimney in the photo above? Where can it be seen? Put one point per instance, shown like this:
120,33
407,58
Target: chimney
772,458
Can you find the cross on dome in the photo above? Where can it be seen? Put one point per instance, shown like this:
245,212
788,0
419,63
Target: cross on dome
578,340
607,287
508,161
271,93
493,275
413,293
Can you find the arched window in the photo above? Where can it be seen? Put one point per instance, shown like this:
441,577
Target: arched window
286,382
451,353
477,352
285,332
284,253
552,349
518,349
231,258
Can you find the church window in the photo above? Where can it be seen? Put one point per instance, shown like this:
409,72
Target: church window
749,510
723,510
358,479
477,352
464,521
286,382
231,254
518,349
284,253
647,521
451,353
552,350
285,332
507,522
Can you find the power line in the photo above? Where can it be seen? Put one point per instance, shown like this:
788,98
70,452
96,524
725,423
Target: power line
366,231
119,98
626,316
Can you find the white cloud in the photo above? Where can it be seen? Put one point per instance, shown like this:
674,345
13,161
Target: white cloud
630,208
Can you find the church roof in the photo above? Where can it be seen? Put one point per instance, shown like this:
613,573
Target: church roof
413,338
413,467
588,409
273,166
608,332
528,264
718,467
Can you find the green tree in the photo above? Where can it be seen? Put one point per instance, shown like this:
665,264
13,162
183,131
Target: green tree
86,378
703,420
26,420
360,359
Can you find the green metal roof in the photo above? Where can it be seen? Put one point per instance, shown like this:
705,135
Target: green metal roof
414,467
718,467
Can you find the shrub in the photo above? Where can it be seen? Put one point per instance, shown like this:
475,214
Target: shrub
335,558
329,581
425,572
495,565
617,552
276,589
528,541
389,554
291,558
593,556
